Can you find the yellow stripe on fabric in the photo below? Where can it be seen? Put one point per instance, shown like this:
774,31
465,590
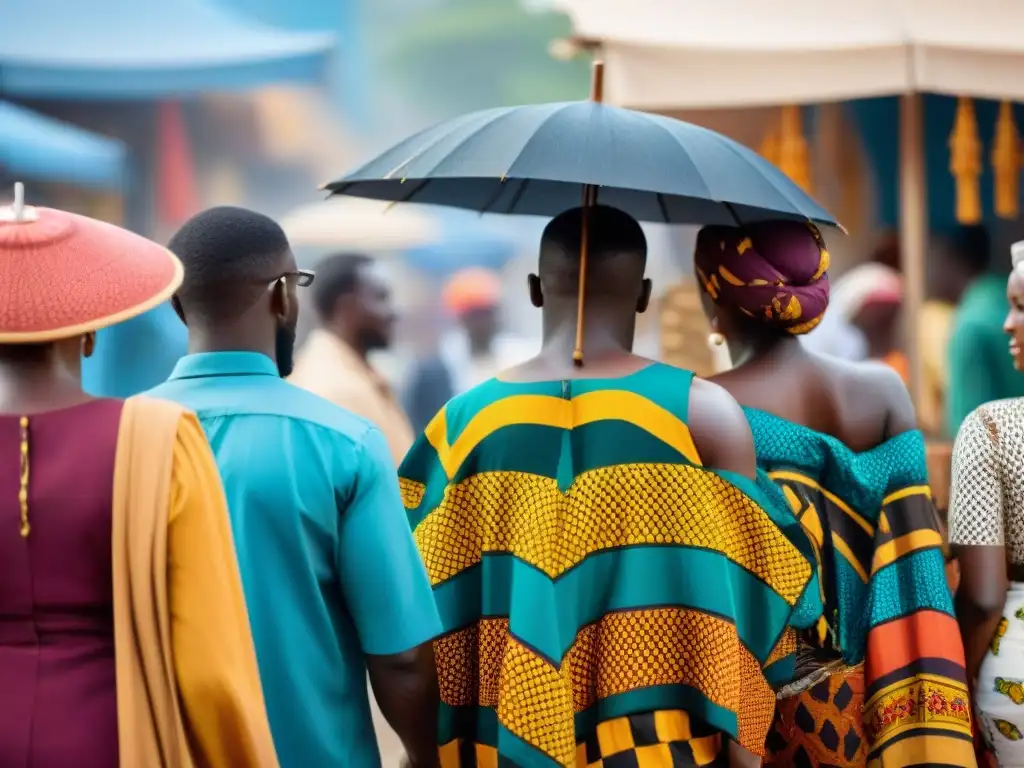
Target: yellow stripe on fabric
614,736
437,435
796,477
930,749
484,665
913,490
729,277
486,756
891,551
924,701
844,549
412,492
672,725
449,754
939,682
653,756
783,648
706,749
695,507
547,411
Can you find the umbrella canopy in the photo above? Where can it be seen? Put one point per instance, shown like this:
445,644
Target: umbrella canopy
38,147
129,49
533,160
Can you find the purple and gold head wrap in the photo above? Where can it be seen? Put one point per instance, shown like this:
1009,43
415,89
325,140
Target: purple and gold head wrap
773,272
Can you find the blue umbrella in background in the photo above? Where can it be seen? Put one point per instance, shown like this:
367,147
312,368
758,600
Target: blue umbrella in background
535,159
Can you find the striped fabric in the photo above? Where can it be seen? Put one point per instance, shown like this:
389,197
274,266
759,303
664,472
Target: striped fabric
898,694
595,581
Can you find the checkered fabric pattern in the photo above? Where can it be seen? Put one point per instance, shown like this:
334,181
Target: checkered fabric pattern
653,740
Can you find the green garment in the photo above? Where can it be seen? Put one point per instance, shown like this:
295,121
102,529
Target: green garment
980,367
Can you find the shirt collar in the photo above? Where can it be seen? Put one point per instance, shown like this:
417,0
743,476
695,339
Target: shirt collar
209,364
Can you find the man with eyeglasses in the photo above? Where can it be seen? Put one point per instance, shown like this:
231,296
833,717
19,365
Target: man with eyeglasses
333,581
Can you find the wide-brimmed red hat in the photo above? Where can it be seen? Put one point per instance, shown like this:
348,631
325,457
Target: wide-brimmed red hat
62,275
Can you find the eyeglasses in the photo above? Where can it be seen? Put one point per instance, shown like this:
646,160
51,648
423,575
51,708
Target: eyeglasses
303,277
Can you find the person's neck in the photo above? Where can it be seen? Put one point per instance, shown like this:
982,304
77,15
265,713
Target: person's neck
758,345
604,335
231,339
350,339
29,387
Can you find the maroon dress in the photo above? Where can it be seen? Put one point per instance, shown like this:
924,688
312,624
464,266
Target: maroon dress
58,703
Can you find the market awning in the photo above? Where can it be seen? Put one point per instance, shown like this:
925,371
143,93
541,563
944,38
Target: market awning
128,49
732,53
37,147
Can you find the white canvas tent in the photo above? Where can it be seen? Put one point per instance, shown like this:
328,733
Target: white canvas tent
669,55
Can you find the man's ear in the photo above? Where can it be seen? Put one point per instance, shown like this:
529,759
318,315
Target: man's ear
645,296
280,301
178,309
536,292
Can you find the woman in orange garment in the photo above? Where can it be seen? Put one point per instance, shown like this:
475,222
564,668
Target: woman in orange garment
124,639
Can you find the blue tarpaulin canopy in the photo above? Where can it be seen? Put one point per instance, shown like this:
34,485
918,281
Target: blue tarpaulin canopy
69,49
34,146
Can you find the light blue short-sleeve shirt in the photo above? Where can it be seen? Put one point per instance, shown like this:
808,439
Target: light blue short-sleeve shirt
328,563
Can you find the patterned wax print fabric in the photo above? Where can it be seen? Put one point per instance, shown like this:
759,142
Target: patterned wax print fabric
986,497
999,696
606,600
881,679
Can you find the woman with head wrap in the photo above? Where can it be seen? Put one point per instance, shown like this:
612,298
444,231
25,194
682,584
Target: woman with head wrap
881,679
124,637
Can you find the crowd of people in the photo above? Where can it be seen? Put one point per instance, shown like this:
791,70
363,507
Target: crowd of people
535,562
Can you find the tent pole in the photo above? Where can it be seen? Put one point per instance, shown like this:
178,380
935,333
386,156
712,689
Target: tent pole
913,232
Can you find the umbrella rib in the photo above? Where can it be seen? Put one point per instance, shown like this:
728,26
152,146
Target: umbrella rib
420,152
473,135
662,207
707,190
799,208
517,195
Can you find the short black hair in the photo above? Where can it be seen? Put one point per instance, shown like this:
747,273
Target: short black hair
337,275
226,252
612,236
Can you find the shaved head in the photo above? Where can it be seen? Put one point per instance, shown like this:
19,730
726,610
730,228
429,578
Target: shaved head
616,254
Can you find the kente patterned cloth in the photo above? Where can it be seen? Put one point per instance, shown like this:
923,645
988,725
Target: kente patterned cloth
607,601
881,679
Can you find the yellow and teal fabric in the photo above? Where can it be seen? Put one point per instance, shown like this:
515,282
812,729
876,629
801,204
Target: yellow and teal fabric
897,694
606,599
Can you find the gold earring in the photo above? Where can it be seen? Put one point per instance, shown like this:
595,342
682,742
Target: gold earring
715,339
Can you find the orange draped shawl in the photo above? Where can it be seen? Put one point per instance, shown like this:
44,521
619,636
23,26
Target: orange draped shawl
188,689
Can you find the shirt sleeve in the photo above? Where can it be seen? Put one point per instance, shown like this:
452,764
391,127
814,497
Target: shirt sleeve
382,576
972,352
218,679
976,492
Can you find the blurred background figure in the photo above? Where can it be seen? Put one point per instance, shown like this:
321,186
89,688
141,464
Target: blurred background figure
955,261
868,299
356,317
470,354
979,368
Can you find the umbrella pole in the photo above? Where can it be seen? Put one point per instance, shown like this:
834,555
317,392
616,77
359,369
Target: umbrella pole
589,201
